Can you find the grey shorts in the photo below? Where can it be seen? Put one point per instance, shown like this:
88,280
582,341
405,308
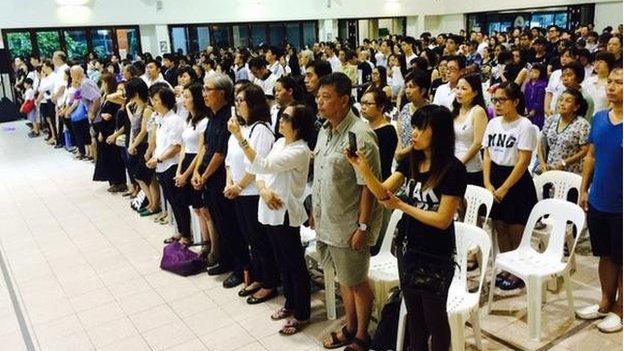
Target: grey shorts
351,266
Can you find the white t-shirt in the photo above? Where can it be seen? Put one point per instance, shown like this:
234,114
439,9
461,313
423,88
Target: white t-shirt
29,94
555,86
464,137
503,140
60,80
261,141
409,59
267,85
276,69
274,111
335,64
168,133
191,136
46,86
598,91
444,96
159,79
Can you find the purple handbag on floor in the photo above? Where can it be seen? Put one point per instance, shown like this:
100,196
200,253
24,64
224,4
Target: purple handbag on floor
178,259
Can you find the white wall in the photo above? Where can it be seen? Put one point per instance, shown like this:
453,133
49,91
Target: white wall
608,14
42,13
445,23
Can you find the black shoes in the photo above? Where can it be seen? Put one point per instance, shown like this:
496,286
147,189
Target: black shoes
256,300
218,270
232,281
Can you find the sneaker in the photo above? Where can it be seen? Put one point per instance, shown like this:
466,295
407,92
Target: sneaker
499,280
590,312
511,287
610,324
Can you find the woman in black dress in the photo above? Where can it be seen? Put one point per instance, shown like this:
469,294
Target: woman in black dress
108,164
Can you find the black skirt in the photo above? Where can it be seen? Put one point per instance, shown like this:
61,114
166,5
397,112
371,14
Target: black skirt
109,166
194,197
475,178
520,199
137,165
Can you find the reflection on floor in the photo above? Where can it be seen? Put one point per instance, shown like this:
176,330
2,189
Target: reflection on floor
85,269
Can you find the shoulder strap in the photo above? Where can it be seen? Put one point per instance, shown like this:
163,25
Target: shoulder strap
260,123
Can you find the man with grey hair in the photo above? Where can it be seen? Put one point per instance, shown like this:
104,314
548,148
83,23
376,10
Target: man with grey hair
210,176
59,59
89,92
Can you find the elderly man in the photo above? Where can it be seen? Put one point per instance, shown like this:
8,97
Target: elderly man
210,175
347,219
89,92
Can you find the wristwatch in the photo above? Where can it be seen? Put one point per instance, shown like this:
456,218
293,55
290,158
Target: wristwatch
563,163
363,227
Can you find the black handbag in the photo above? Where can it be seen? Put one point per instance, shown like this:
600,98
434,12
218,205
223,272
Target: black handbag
425,273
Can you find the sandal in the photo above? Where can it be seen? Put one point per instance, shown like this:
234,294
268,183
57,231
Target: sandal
170,240
293,326
336,342
359,344
281,314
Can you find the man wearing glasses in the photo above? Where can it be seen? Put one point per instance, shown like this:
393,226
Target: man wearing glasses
445,94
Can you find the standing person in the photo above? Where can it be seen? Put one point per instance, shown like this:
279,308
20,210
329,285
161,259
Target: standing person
596,86
44,99
90,97
564,137
509,141
469,122
281,178
171,70
375,103
555,84
534,92
210,175
416,92
165,158
261,274
139,113
572,76
445,94
286,91
272,57
193,141
59,60
602,174
379,80
108,163
345,216
438,185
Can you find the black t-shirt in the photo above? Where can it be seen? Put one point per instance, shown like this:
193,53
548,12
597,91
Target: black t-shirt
425,237
387,138
216,138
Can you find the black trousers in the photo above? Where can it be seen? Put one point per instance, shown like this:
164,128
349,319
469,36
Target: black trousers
289,254
60,138
176,198
262,263
426,317
234,253
81,131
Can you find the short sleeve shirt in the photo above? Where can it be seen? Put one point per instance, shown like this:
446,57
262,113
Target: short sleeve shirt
417,234
504,140
337,186
561,145
216,138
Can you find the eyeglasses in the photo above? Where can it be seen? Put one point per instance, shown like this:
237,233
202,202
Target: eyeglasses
452,69
367,103
286,117
496,100
239,100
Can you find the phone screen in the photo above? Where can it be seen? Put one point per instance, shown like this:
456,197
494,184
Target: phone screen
352,143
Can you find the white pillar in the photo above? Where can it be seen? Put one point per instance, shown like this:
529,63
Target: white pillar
162,38
328,29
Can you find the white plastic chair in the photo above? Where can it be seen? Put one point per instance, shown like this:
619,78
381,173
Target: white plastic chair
461,304
383,272
195,226
329,277
562,182
536,268
534,157
476,196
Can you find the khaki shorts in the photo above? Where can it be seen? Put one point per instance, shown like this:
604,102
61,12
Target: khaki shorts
351,266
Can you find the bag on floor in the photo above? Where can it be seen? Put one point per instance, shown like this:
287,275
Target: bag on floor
386,334
178,259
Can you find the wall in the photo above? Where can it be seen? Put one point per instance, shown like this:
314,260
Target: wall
445,23
42,13
608,14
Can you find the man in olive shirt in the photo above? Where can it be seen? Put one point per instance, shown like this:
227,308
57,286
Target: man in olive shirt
346,216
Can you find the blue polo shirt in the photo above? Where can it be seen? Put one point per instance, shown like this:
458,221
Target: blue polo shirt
605,193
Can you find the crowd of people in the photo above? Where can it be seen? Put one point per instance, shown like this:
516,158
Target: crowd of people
257,142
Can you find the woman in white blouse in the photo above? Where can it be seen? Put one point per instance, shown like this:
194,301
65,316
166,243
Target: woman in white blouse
281,179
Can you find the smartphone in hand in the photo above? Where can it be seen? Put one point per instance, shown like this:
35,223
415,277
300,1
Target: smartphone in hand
352,144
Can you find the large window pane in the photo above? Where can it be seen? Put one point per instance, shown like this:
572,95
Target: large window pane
309,34
240,35
19,44
128,43
179,39
48,42
258,34
203,38
277,34
221,36
561,19
102,42
76,44
293,34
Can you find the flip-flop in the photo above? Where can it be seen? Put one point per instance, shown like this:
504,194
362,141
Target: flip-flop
293,326
281,314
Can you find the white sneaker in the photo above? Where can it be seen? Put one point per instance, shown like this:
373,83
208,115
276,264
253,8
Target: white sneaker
610,324
590,312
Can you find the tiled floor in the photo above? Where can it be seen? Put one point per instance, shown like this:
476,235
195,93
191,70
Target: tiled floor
86,272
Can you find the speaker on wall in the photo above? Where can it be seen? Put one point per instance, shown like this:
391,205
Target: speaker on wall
5,61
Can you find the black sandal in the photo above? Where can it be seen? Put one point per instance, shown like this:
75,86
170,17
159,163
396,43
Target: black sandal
336,343
363,344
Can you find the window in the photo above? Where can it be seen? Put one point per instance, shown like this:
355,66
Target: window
48,42
258,34
76,44
102,40
240,36
309,34
128,43
203,38
179,39
277,34
293,34
561,19
19,44
220,36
